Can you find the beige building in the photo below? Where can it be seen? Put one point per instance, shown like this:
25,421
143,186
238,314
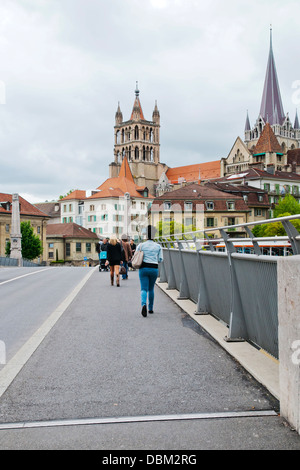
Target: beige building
71,244
201,206
28,212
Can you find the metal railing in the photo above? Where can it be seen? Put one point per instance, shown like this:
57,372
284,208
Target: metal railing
237,288
12,262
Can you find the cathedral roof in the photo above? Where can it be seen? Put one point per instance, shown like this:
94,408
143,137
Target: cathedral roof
267,142
271,105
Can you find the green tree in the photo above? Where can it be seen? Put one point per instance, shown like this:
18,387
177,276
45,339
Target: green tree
31,244
286,206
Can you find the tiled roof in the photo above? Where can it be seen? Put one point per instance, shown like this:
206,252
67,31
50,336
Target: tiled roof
118,186
77,194
198,194
25,207
241,190
191,172
69,230
267,142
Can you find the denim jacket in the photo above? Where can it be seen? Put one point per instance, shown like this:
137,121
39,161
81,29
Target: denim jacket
152,252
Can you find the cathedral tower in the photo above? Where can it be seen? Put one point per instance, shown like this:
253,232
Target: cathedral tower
139,141
271,111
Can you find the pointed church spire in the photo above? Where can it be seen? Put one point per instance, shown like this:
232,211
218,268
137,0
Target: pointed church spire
137,112
119,115
296,124
271,105
247,125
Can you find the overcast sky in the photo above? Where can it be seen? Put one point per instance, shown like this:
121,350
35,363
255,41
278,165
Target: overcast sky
65,65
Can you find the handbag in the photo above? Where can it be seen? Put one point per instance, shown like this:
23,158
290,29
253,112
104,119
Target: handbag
103,254
137,259
122,270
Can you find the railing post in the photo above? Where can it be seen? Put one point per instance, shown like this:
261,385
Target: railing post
203,303
237,326
256,246
171,275
184,292
293,235
162,270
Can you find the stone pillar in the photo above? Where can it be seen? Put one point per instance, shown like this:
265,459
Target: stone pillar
289,338
16,236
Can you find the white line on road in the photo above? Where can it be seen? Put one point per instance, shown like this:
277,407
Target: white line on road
24,275
137,419
14,366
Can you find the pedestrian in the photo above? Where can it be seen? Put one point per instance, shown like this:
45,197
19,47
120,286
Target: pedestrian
148,271
133,248
126,255
114,259
103,254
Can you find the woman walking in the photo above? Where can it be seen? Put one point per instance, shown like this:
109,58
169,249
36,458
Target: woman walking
149,270
114,256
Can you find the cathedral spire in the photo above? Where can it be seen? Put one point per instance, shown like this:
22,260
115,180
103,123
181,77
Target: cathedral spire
247,125
296,124
137,112
271,108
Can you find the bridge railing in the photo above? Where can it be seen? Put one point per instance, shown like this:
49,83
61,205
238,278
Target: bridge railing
237,288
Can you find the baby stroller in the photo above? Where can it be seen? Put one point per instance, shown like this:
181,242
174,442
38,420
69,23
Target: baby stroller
102,261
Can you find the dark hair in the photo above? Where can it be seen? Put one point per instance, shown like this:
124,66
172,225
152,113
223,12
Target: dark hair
151,232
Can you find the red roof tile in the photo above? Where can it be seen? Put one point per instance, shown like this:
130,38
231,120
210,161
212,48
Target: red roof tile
191,172
69,230
267,142
25,207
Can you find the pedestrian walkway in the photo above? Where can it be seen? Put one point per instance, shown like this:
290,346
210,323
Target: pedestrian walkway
107,378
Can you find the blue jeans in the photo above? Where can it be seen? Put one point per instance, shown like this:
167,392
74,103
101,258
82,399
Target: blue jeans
148,277
125,264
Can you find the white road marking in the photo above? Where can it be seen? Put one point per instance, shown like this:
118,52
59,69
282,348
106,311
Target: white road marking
24,275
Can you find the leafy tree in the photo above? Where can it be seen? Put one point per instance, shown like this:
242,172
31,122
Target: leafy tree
286,206
31,244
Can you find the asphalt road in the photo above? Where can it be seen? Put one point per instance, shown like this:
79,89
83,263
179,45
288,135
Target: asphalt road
102,362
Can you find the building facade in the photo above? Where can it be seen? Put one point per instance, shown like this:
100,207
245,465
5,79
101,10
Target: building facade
72,244
117,206
201,206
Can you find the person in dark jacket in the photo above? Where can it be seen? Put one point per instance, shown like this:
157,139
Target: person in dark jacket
127,254
114,259
103,248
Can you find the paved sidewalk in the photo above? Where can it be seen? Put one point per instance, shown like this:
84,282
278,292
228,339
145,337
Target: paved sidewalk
103,362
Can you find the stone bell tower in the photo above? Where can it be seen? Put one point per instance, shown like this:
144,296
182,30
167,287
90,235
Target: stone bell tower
139,140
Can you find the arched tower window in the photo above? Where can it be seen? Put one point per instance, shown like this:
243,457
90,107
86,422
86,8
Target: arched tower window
136,133
136,153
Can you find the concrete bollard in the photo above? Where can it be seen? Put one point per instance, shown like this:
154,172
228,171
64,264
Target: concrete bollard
289,338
